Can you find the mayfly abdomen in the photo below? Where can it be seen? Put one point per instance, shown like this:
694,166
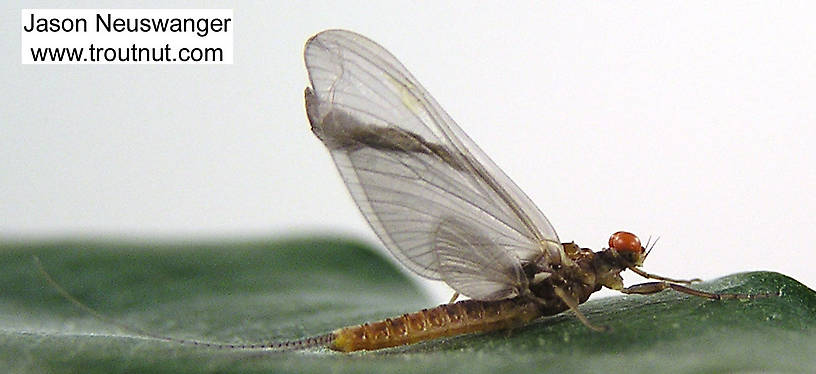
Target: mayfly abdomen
463,317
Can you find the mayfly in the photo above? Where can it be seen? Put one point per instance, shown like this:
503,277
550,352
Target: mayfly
443,209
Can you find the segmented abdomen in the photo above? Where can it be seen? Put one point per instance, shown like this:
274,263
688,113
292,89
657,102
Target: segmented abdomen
464,317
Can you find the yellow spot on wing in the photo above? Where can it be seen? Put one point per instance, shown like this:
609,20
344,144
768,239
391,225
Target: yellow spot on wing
407,93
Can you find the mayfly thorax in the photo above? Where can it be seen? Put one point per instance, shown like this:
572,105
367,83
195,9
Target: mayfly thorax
443,209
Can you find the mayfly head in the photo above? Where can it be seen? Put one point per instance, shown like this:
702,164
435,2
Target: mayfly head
624,252
627,246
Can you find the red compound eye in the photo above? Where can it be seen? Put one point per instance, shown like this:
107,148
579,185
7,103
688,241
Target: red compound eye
623,241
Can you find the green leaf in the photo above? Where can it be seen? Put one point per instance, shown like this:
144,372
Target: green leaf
255,292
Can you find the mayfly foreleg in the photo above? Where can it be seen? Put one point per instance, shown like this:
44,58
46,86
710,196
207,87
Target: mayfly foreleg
654,287
662,278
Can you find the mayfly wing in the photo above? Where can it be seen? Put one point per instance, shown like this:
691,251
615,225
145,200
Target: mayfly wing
469,260
436,201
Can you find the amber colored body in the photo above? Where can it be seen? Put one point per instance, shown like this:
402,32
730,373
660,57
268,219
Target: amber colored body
463,317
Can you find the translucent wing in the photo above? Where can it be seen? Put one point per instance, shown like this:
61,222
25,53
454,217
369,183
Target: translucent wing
410,168
485,272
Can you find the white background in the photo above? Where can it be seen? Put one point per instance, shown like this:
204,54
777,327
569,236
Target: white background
692,121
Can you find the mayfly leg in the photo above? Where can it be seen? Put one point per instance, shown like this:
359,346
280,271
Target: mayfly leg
662,278
654,287
454,297
573,305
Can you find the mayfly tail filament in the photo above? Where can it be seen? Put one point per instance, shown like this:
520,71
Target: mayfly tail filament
318,341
